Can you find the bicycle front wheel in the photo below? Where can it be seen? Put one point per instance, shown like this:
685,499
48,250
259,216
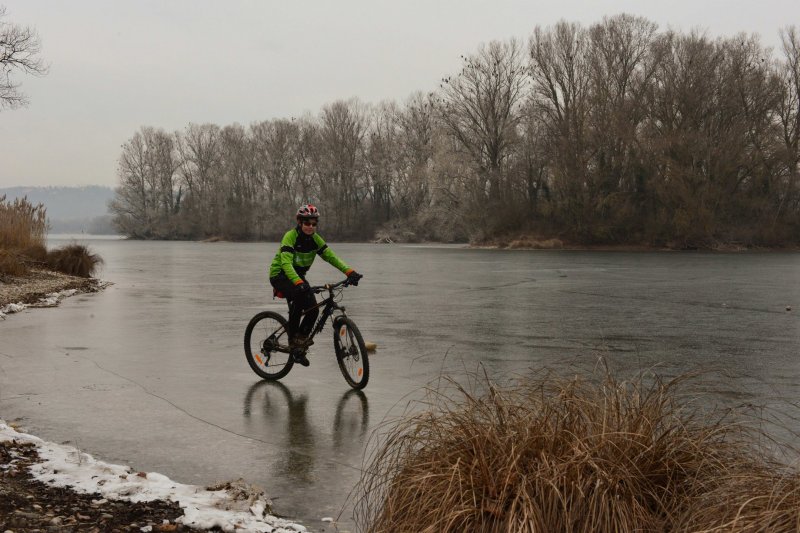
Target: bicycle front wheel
266,345
351,353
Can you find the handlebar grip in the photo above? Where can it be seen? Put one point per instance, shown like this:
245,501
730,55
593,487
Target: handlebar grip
328,286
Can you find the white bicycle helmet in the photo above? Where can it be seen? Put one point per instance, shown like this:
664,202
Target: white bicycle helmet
307,211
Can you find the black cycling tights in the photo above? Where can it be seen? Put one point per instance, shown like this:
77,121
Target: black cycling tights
298,301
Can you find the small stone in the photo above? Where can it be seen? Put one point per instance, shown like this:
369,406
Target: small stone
56,521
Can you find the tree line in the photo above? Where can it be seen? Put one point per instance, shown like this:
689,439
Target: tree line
612,133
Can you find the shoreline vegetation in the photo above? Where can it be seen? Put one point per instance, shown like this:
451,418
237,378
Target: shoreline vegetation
531,243
528,242
30,274
616,133
42,288
586,453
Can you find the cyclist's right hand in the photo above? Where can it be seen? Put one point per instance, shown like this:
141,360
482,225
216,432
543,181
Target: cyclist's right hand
303,288
353,278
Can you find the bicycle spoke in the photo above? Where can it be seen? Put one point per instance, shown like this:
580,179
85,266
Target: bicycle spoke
351,353
266,346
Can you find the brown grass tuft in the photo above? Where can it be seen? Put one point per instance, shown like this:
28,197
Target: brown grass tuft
570,455
21,224
35,253
74,259
11,264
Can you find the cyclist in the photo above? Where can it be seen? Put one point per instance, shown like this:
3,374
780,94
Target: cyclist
287,275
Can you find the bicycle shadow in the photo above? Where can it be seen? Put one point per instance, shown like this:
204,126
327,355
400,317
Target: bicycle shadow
279,407
298,455
351,421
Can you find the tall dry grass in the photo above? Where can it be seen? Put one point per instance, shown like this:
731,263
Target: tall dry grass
23,229
11,265
74,259
573,455
22,224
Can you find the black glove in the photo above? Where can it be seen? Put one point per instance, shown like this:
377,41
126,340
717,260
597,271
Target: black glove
303,288
353,277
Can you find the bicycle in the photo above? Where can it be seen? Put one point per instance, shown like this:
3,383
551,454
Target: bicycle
266,340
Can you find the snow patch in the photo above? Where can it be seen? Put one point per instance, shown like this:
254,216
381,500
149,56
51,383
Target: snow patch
235,506
49,300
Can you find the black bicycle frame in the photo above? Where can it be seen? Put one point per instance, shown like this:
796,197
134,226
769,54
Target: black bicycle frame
329,303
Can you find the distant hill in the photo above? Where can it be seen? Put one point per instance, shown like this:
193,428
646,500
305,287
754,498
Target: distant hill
70,209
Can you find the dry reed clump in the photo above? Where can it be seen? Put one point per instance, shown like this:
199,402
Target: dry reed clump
11,265
74,259
21,224
23,228
571,455
35,253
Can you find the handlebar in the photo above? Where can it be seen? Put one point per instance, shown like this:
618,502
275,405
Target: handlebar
330,286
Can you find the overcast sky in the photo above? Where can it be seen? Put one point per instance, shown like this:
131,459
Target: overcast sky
118,65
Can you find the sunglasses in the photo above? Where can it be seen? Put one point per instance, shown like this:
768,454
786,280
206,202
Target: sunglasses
310,223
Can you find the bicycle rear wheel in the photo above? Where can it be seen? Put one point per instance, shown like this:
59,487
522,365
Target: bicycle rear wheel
266,345
351,354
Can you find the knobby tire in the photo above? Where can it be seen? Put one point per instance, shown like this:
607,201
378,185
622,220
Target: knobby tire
259,360
351,353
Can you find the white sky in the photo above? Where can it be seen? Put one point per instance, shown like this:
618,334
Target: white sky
118,65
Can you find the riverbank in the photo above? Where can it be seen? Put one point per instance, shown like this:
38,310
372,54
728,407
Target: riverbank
42,288
50,487
523,242
526,242
27,504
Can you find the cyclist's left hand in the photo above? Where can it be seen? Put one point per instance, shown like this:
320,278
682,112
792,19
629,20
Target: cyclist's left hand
353,277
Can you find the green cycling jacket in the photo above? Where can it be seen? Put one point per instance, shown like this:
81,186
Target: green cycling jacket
297,253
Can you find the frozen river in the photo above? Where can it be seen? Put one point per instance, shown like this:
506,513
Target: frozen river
151,372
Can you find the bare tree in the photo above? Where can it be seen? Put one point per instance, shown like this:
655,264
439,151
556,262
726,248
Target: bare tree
481,108
622,61
234,193
417,123
340,163
789,117
146,199
19,51
561,93
381,159
200,170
